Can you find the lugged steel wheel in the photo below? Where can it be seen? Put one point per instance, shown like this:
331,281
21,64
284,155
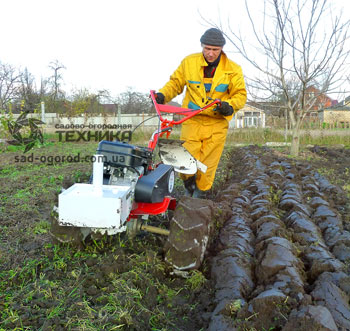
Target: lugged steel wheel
189,233
66,234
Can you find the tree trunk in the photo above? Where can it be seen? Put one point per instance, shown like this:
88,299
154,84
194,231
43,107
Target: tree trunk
294,149
286,125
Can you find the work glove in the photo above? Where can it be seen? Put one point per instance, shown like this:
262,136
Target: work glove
225,109
160,98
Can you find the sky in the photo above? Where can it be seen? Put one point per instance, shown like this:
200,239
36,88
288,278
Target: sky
111,44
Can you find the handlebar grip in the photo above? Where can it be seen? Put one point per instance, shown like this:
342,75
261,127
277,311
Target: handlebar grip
217,102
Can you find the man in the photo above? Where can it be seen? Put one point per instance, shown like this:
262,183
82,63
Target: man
207,76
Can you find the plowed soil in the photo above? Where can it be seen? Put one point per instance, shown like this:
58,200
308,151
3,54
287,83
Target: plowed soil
282,258
278,256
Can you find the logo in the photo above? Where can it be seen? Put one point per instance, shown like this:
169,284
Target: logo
25,131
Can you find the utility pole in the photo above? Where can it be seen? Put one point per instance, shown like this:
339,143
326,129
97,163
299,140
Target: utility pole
42,111
119,115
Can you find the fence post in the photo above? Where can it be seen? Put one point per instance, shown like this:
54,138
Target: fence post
42,111
119,115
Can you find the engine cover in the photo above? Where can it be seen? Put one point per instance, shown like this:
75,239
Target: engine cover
120,154
84,205
156,185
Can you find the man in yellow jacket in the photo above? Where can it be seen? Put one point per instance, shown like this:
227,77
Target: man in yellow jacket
207,76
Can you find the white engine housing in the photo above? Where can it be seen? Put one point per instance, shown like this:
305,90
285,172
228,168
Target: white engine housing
96,205
84,205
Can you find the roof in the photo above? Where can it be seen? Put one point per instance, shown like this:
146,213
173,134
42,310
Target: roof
110,107
248,107
338,107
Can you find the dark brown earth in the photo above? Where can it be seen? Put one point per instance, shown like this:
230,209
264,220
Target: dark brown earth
283,255
278,257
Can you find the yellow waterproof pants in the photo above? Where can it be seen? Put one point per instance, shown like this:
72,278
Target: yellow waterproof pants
205,138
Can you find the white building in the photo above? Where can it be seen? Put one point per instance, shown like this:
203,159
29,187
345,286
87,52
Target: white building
248,117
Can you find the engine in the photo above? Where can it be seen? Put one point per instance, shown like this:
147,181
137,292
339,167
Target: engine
131,165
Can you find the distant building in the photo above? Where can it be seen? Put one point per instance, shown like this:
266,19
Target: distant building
110,108
248,117
320,101
347,101
338,115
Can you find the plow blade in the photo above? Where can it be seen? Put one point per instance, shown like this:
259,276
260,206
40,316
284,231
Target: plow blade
173,153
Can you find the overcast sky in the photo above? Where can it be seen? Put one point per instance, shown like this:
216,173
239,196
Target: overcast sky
110,44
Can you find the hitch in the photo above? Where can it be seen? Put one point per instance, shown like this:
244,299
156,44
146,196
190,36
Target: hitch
134,226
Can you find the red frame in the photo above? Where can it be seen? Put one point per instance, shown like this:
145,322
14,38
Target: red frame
143,208
167,125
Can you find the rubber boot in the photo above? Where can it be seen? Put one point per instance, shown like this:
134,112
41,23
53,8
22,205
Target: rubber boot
197,193
190,186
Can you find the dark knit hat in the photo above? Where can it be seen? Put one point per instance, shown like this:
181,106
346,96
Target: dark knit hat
213,37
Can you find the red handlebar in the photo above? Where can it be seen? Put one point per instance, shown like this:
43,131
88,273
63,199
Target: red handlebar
166,125
187,113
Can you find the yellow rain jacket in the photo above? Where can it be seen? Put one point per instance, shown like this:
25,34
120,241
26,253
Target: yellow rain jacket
205,133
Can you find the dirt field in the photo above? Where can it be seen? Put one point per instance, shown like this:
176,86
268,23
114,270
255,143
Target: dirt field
282,259
278,259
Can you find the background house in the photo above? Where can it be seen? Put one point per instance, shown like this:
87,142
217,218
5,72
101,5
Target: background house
249,116
319,100
336,116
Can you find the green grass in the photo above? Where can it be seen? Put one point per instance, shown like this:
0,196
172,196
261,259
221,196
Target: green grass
196,280
261,136
31,285
257,136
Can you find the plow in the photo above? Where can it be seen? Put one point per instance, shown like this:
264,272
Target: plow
127,186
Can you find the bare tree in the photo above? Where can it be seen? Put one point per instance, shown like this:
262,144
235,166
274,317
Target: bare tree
27,91
10,79
133,102
300,44
82,101
56,79
51,89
